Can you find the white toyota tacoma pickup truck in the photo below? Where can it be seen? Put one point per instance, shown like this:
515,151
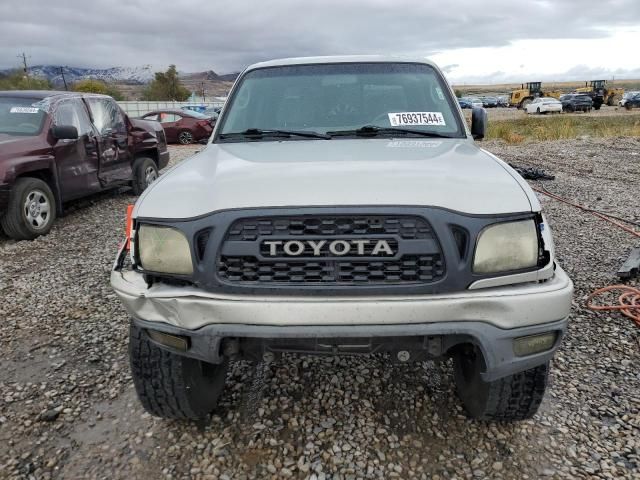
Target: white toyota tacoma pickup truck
342,206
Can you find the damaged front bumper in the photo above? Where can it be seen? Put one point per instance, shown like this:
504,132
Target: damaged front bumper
426,326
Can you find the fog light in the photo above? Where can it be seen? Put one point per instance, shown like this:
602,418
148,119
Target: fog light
534,343
172,341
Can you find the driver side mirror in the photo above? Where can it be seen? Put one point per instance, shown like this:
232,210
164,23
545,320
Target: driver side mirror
64,132
479,123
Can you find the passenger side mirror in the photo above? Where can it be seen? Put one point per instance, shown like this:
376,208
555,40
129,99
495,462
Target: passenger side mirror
64,132
478,123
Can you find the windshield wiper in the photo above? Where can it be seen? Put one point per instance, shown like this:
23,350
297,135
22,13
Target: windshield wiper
257,133
372,131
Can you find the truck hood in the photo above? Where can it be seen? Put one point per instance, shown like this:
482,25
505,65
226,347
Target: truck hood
448,173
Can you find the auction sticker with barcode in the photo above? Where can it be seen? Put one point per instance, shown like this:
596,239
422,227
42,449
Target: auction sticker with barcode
24,110
416,118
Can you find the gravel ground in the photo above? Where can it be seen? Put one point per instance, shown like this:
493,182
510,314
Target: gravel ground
68,408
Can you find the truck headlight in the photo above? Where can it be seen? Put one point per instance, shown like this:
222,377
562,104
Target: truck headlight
164,250
506,246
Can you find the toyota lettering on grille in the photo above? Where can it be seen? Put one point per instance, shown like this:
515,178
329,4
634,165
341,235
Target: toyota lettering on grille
320,248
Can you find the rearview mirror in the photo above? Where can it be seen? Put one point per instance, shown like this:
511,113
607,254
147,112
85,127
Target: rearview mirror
478,123
64,132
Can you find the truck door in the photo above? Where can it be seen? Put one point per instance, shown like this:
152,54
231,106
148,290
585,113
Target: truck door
76,160
113,140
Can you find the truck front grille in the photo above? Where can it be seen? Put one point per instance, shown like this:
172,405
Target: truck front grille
409,269
416,259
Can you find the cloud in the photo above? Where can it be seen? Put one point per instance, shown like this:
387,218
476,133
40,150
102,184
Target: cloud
449,68
225,36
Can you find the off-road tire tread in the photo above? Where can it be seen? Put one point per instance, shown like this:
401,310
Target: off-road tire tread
12,222
512,398
159,378
518,396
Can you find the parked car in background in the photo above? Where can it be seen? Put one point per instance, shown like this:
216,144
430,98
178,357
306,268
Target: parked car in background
576,102
503,101
474,102
544,105
626,96
465,103
182,126
633,101
212,112
194,108
489,102
59,146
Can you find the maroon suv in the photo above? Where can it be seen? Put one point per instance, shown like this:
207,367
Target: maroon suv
182,126
59,146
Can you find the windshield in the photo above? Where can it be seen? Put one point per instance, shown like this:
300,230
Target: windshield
339,98
19,116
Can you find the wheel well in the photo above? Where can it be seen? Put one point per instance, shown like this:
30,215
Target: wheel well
468,347
152,154
46,176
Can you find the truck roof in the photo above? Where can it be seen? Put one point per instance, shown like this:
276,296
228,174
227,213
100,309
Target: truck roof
340,59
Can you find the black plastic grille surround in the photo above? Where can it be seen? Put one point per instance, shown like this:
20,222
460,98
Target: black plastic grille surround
423,263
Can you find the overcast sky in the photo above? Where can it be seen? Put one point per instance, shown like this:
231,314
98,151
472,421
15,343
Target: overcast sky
474,41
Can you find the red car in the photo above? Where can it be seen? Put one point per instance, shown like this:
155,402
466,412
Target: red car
181,126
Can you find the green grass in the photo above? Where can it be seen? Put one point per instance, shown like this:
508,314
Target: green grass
539,129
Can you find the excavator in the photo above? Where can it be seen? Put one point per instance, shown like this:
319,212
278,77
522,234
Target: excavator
525,94
600,93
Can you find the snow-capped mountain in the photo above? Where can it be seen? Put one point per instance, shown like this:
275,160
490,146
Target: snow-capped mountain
133,75
123,75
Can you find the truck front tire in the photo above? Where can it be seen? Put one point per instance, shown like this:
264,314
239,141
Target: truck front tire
31,210
170,385
145,172
507,399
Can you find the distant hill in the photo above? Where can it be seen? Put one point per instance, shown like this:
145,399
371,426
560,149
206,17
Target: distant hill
129,75
209,75
119,75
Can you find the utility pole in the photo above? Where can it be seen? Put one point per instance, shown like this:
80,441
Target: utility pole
203,93
63,79
23,56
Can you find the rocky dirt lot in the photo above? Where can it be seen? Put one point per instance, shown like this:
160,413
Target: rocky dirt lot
68,408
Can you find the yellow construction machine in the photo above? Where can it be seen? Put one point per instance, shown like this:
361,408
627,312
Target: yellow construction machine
524,96
600,93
